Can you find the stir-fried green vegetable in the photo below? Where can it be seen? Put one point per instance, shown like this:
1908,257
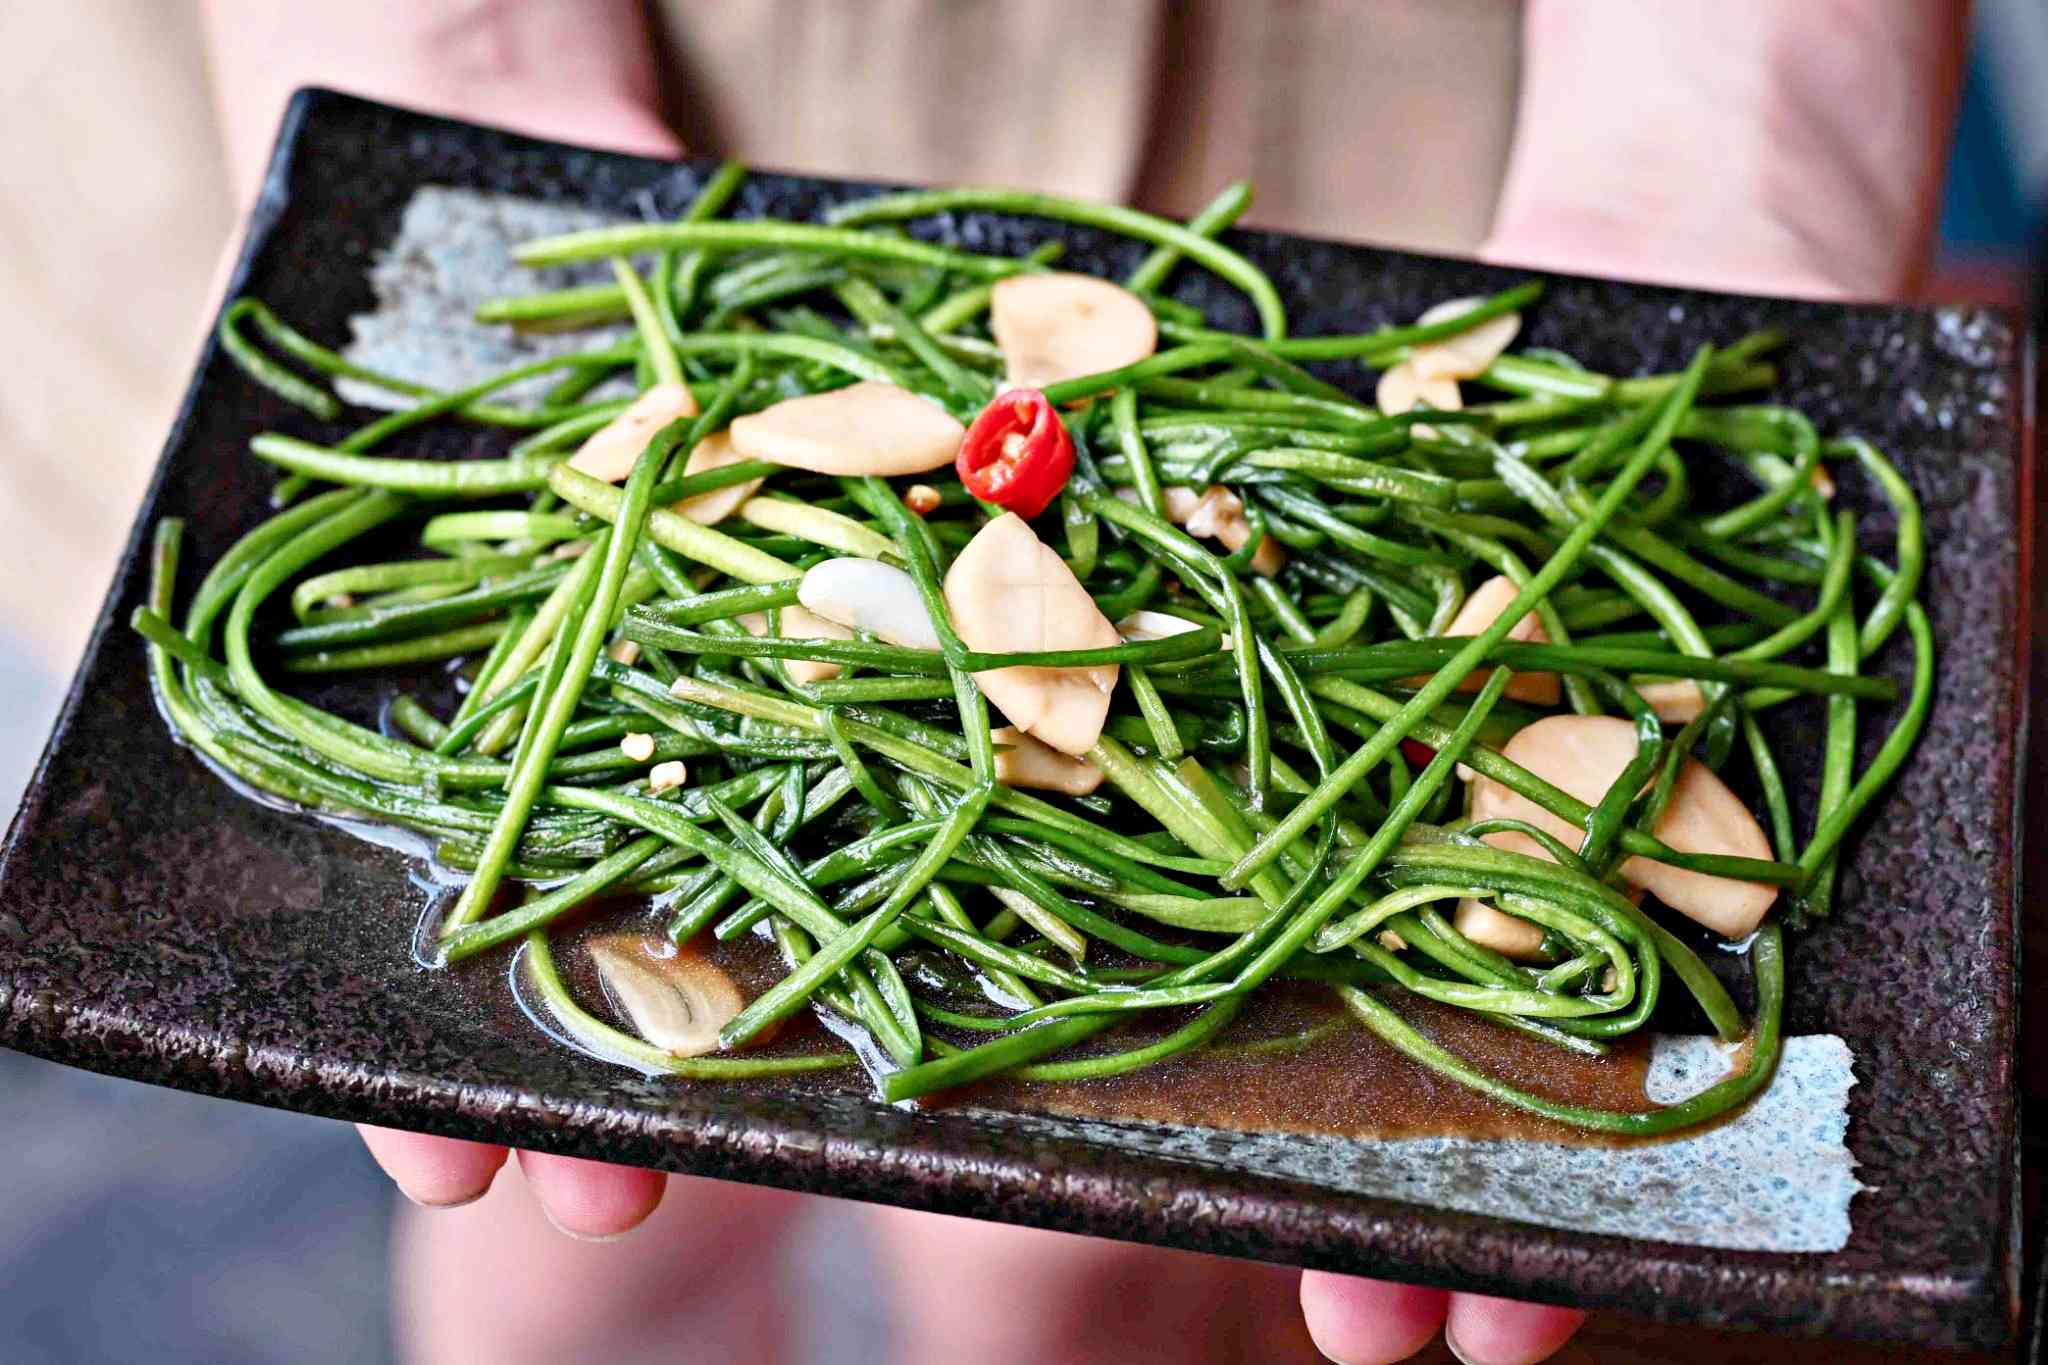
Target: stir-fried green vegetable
1302,669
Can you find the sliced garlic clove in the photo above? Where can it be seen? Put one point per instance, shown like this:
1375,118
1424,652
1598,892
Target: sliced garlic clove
674,998
1141,626
1401,390
799,624
1028,763
715,451
1584,755
610,452
1706,817
1676,700
1219,513
1009,593
1058,325
866,428
1482,608
1508,935
880,599
1181,502
1467,354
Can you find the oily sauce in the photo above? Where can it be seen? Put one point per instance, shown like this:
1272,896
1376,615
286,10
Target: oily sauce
1293,1061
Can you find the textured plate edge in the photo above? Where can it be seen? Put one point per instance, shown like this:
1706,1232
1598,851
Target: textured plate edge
1242,1216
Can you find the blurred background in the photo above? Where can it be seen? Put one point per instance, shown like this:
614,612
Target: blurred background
143,1224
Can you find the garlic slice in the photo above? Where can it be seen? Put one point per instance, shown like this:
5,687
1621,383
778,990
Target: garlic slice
1466,355
1481,609
798,624
1009,593
610,452
1153,625
715,451
1401,390
878,598
1059,325
1677,700
866,428
1219,513
1029,763
673,998
1508,935
1584,755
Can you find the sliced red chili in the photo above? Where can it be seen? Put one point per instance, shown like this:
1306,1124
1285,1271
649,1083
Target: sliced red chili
1417,753
1017,454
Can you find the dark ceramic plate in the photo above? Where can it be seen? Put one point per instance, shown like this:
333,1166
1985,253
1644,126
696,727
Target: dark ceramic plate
153,924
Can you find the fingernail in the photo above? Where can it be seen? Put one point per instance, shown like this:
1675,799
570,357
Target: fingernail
439,1204
575,1236
1452,1342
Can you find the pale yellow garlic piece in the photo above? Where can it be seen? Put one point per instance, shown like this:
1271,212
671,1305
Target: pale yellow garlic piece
863,594
1676,700
1058,325
1583,756
1009,593
637,745
676,999
1466,355
609,452
1508,935
708,509
799,624
866,428
1028,763
1481,609
1401,390
1218,513
667,776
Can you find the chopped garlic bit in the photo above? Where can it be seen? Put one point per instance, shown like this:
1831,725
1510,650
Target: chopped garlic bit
666,776
922,499
1823,481
570,549
1391,941
638,745
625,652
341,600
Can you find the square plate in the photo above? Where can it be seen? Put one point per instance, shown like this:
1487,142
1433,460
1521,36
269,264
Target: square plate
156,925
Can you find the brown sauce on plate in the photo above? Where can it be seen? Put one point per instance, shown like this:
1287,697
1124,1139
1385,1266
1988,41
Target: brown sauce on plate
1294,1061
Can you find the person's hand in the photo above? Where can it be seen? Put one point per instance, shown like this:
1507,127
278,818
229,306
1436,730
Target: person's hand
1803,195
1012,1293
